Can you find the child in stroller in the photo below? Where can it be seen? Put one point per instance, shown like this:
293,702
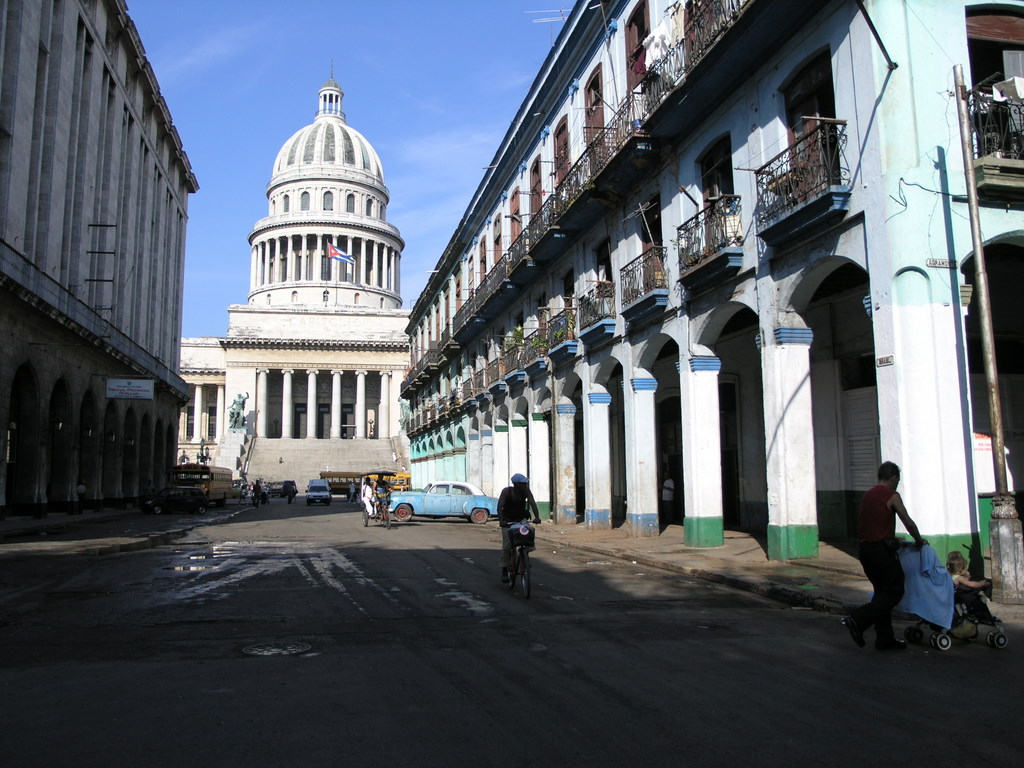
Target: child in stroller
947,601
969,605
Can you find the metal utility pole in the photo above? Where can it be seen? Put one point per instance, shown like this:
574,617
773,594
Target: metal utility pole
1005,532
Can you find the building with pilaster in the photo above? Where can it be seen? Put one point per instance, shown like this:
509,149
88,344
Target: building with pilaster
315,358
726,243
94,190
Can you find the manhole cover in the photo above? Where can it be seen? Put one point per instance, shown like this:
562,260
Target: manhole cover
276,649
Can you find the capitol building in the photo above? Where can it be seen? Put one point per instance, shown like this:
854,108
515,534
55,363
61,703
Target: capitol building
308,377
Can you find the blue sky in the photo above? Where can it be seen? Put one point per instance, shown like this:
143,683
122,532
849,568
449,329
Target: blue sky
432,84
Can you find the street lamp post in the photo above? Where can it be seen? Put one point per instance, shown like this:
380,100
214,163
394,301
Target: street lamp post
1005,528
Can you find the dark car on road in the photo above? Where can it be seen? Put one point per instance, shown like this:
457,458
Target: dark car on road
177,499
283,489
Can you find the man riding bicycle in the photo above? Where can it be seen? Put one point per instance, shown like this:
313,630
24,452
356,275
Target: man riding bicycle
514,505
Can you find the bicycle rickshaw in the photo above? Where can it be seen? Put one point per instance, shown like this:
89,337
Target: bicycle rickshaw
381,497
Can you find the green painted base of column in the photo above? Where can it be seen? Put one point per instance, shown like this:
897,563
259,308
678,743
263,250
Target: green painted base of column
789,542
703,531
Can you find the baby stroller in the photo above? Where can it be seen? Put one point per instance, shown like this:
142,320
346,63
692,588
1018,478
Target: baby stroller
970,609
943,612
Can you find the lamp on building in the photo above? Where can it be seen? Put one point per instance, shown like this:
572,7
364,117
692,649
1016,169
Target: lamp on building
183,459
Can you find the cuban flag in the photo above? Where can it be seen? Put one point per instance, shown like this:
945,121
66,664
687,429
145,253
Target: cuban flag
335,253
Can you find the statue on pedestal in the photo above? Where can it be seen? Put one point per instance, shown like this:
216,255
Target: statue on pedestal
236,415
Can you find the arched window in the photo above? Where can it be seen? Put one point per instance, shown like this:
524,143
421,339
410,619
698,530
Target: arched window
328,201
369,206
350,203
268,298
355,299
273,207
286,204
304,202
295,297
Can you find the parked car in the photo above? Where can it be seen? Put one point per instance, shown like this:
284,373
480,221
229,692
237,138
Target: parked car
445,498
177,499
282,488
318,492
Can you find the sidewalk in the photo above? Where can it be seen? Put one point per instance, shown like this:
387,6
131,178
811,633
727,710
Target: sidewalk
832,582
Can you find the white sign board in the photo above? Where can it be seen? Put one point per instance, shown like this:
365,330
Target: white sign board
129,389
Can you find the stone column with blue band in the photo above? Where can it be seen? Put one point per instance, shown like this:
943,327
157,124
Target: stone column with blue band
789,427
597,447
565,464
642,484
704,525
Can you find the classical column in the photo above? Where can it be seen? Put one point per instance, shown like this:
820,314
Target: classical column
287,405
702,453
219,421
336,405
500,457
198,407
540,462
565,464
384,408
311,413
597,444
261,401
360,404
788,419
641,458
487,463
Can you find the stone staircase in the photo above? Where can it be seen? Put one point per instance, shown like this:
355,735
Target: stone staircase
303,460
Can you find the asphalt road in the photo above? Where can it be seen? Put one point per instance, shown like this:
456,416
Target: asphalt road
294,636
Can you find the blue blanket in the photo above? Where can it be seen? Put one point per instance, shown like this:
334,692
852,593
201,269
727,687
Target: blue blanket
928,587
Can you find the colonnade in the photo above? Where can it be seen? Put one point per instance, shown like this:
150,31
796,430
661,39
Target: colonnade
303,257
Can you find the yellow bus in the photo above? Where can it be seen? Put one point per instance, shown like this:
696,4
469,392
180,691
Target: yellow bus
215,482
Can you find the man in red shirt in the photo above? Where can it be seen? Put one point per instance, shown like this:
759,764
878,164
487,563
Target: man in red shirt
877,552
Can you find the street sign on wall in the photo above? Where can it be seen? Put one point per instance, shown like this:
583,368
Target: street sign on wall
129,389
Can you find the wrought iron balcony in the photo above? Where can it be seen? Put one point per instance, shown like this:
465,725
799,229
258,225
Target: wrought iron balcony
706,22
712,230
597,304
644,274
560,328
812,170
998,138
478,383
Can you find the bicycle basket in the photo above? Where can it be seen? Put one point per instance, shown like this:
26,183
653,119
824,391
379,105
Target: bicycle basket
521,535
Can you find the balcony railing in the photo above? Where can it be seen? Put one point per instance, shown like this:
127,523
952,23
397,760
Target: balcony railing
713,229
467,390
465,312
515,358
480,381
495,370
998,127
706,22
808,168
561,327
597,304
644,274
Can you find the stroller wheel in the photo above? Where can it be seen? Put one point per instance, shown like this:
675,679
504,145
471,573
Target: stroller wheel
996,639
941,641
913,634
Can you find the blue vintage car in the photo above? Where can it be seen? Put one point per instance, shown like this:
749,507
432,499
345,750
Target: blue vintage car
445,498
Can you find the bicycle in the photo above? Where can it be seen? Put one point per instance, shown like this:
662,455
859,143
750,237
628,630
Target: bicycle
521,535
383,504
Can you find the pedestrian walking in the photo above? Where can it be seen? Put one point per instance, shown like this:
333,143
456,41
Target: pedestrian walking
80,490
878,554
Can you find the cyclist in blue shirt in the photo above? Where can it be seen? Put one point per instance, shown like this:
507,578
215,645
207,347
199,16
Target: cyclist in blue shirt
514,506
